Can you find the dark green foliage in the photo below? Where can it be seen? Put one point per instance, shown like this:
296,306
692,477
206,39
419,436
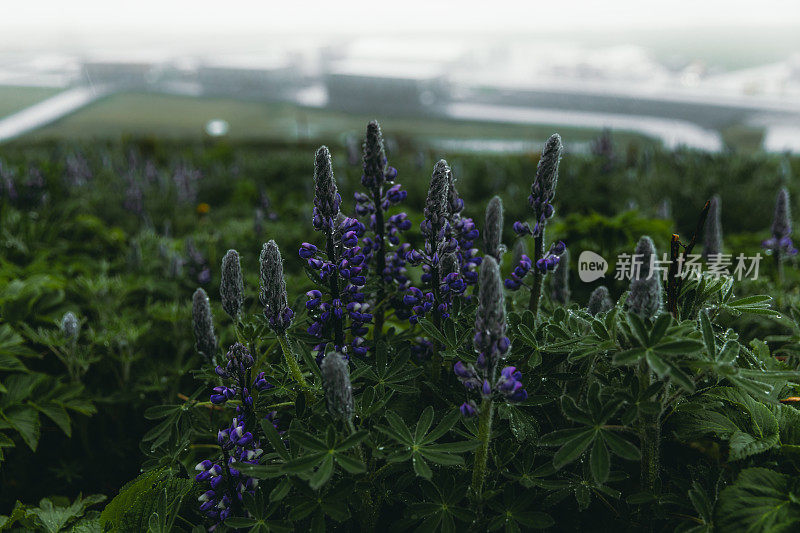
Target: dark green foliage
686,423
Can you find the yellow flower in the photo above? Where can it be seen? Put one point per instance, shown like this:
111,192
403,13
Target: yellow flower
203,208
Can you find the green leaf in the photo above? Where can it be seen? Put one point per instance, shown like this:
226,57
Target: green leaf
657,364
660,327
352,440
350,464
431,330
323,473
424,424
274,439
600,462
421,468
305,463
573,448
681,347
399,427
621,447
638,329
57,414
25,420
629,357
708,335
759,501
443,427
307,441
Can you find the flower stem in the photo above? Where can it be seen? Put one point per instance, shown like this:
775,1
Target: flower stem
291,361
649,436
380,264
482,453
536,288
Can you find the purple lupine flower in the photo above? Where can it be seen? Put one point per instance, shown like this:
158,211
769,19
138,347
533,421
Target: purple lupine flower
491,343
237,442
781,240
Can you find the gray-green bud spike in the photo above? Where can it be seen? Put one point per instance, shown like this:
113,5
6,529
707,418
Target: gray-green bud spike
336,385
231,287
493,229
645,296
203,325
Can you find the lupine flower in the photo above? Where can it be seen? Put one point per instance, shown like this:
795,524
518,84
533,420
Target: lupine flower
645,296
238,442
559,288
491,343
493,229
712,241
781,240
376,170
600,301
70,327
203,324
543,189
463,232
546,264
326,197
337,387
436,205
231,288
273,288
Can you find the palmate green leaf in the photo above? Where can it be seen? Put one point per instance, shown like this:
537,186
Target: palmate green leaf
55,518
681,347
305,463
660,327
442,458
399,427
573,448
638,329
25,420
560,436
352,440
760,500
445,425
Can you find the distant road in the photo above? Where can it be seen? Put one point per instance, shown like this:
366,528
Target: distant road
49,110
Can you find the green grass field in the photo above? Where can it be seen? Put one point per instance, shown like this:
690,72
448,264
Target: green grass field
183,117
13,98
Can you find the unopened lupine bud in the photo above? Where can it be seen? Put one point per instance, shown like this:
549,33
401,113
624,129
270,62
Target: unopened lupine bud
600,301
664,211
273,288
454,203
326,196
559,288
336,384
547,169
374,157
645,297
203,324
490,318
436,203
231,288
782,220
493,230
712,241
70,327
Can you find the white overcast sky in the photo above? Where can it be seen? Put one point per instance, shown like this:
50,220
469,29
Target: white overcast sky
53,23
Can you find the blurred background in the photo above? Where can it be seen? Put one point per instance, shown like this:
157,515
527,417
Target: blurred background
463,76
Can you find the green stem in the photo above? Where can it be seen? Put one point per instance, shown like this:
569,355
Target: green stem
482,453
294,368
380,264
536,288
649,437
778,267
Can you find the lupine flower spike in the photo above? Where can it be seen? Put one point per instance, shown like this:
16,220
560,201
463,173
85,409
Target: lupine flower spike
780,244
645,296
231,287
543,191
493,229
203,324
712,242
492,345
275,301
70,327
337,387
600,301
238,442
